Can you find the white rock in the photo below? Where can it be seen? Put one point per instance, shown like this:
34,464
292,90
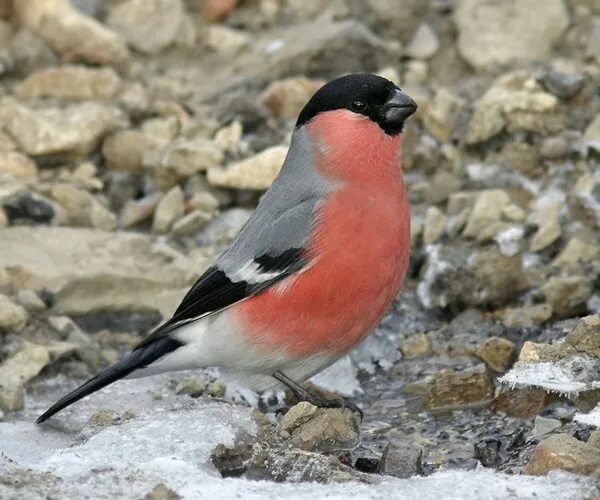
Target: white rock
496,33
82,208
17,165
256,172
224,39
487,210
435,224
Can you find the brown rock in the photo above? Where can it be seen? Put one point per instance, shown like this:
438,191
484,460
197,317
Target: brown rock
217,10
161,492
320,429
286,98
565,453
416,345
17,165
585,337
124,150
451,389
521,403
497,353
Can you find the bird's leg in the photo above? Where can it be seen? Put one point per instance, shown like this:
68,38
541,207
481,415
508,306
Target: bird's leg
304,395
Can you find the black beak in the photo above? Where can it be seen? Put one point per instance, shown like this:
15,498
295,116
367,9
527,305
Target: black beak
398,108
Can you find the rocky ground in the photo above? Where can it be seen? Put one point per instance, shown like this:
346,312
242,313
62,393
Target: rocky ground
137,136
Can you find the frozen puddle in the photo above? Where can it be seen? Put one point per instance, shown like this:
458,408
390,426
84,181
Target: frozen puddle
169,441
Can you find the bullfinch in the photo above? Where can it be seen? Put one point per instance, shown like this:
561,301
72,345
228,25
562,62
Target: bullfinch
316,266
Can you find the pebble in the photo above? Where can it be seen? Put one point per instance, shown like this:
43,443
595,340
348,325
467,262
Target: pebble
13,317
169,209
497,353
452,390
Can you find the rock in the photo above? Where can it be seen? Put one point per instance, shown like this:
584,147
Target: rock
442,113
286,98
17,165
452,390
17,370
562,85
70,82
170,208
415,346
497,353
215,11
161,492
533,352
188,157
575,253
256,172
546,235
191,223
564,452
25,206
82,208
229,138
192,386
554,148
137,211
88,270
3,218
30,301
544,425
568,295
321,46
486,210
488,451
585,337
592,131
13,317
124,150
521,403
225,40
456,277
514,102
149,26
74,130
320,429
72,34
424,43
435,224
527,316
402,460
496,33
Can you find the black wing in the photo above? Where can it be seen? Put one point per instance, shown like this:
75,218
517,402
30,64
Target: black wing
215,290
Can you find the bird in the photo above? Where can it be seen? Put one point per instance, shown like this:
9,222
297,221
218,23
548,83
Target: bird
315,268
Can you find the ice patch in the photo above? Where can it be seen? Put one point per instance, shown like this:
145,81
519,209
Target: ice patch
435,267
591,418
170,442
509,240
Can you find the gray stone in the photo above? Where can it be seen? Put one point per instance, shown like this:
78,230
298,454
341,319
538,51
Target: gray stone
401,459
562,85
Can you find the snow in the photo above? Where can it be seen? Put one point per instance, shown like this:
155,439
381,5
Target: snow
509,240
591,418
168,439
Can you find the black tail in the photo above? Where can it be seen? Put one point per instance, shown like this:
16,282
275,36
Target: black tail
140,357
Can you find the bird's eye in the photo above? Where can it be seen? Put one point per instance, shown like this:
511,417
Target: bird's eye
359,105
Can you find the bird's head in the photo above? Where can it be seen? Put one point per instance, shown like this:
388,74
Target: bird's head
363,95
